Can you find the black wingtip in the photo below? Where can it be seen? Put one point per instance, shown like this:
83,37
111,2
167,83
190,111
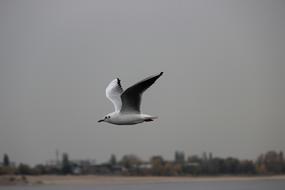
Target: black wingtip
119,81
160,73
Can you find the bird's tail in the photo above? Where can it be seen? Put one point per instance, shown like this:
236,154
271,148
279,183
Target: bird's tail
150,118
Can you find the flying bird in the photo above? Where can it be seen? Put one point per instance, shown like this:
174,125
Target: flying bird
127,103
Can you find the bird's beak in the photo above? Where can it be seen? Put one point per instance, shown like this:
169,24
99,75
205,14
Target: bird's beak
101,120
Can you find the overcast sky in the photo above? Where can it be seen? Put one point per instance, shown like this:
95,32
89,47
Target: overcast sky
222,90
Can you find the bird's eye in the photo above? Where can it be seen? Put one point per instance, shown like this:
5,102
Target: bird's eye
109,116
105,117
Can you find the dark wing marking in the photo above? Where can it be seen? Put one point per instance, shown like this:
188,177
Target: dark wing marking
119,83
131,97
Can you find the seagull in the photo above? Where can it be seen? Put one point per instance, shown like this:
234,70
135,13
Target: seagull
127,103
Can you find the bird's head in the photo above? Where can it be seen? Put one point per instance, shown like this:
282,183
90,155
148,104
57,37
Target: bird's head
105,119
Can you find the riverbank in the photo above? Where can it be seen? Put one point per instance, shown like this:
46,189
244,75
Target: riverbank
13,180
114,180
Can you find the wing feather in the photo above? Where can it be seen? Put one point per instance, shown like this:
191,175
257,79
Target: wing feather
113,93
131,97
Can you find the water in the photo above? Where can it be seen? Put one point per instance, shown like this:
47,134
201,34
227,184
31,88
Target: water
211,185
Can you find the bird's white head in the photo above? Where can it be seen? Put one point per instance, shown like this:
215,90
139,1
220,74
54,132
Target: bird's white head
105,119
109,117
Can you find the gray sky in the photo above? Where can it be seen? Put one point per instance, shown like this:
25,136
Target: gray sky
223,89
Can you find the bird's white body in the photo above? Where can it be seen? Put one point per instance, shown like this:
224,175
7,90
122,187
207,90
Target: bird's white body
128,119
127,103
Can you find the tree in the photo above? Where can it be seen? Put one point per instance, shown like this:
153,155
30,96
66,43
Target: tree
113,160
210,156
130,161
157,163
247,167
24,169
273,162
231,165
194,159
6,160
66,165
215,166
40,169
179,157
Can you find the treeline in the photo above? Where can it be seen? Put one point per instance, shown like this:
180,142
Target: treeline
269,163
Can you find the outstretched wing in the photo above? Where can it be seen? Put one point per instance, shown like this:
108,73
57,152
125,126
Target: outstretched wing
131,98
113,93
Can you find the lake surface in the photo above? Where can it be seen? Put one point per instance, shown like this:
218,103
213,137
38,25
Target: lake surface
210,185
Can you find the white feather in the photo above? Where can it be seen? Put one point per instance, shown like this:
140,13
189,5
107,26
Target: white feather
113,93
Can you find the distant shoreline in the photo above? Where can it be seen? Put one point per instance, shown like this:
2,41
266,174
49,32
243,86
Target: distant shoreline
117,180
